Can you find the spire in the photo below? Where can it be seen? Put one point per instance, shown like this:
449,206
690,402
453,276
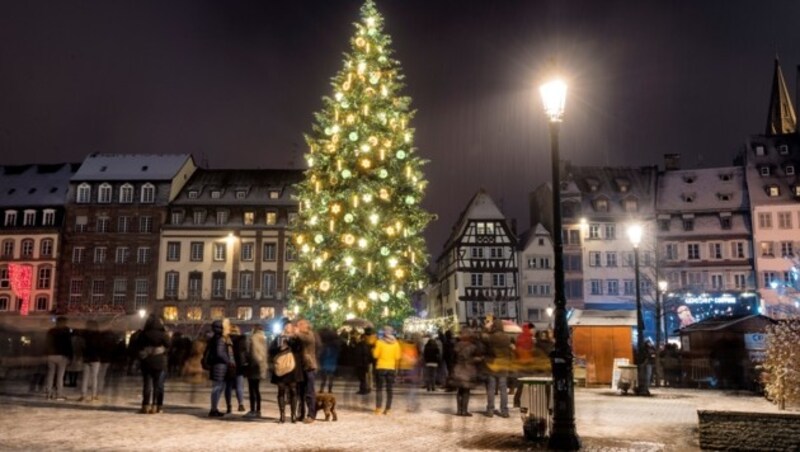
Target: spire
781,118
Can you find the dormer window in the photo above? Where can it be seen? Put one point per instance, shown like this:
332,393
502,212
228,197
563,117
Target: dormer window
725,177
145,168
688,197
193,194
104,193
789,170
688,222
724,196
601,205
689,178
796,189
663,222
764,170
216,194
623,185
126,194
760,150
783,149
630,205
274,194
593,184
773,191
84,194
148,193
725,220
240,194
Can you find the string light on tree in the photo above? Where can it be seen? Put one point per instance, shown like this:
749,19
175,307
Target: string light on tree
361,220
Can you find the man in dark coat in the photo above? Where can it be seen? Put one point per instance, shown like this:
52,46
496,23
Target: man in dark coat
306,389
58,346
362,361
219,357
152,349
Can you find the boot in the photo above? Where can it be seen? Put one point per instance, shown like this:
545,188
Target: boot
459,404
293,408
145,409
465,402
282,407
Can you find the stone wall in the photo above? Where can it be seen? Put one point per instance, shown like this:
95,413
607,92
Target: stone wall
728,430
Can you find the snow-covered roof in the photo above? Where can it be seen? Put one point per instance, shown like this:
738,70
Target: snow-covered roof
596,317
615,185
35,185
480,207
773,162
130,167
240,187
702,190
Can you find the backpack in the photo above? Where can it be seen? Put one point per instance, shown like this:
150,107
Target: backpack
208,358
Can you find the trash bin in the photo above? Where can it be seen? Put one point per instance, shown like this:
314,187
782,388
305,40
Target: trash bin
536,407
627,377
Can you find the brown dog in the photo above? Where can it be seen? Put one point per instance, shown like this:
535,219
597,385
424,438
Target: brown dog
327,403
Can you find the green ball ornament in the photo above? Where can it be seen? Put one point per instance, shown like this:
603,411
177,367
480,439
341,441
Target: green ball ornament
383,174
382,59
346,174
353,136
384,251
319,238
401,154
348,218
410,200
384,297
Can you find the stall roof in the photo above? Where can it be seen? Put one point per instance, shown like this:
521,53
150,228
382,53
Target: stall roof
593,317
721,323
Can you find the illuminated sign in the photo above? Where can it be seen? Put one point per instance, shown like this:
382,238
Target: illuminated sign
708,299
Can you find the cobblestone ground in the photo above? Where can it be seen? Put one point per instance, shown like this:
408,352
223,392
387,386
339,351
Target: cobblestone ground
606,421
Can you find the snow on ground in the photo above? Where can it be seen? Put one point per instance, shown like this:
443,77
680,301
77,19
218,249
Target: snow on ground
605,421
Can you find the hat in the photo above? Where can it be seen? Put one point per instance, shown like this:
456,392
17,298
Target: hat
388,331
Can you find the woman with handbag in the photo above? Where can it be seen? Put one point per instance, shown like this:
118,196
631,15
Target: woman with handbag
287,370
153,345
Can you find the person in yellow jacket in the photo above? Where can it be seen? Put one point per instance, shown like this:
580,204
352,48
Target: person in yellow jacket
387,354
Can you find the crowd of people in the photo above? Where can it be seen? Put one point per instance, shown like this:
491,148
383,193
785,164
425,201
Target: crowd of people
300,362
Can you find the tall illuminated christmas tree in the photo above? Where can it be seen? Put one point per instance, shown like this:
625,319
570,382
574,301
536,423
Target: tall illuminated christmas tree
359,239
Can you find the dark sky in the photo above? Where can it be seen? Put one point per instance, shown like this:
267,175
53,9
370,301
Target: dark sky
236,82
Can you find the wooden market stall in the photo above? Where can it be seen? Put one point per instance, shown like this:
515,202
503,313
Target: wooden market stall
598,337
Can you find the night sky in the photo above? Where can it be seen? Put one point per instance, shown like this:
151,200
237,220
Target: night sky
235,83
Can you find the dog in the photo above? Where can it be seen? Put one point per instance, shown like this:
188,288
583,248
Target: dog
327,403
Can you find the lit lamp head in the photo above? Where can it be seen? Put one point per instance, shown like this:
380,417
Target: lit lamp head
662,286
142,313
635,234
549,311
554,97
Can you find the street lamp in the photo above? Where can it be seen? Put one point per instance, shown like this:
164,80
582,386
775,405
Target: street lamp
662,288
564,435
635,235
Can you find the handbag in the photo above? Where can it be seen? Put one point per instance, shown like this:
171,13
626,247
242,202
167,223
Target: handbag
284,363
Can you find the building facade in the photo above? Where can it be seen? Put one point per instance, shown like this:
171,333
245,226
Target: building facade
32,205
225,246
115,208
536,277
477,272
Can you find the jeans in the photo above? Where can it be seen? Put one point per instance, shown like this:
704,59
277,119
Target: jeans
153,390
307,392
361,373
91,372
101,377
217,388
499,383
237,383
384,377
255,394
56,367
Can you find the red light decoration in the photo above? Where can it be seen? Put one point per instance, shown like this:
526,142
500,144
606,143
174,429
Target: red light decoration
21,283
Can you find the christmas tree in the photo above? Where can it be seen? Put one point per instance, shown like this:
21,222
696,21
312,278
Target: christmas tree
359,239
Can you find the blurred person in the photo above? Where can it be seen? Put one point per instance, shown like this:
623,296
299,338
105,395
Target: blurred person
409,369
236,379
307,386
432,355
524,347
387,354
75,367
107,352
91,360
465,371
499,353
257,368
448,357
362,356
152,348
287,342
329,358
218,359
58,346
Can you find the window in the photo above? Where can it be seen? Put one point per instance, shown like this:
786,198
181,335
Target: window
241,194
663,224
630,205
122,254
176,217
783,149
11,218
573,289
476,280
774,191
220,252
29,218
195,285
292,218
716,281
629,287
98,291
725,222
26,248
46,248
8,248
126,194
84,194
100,254
119,292
759,148
274,194
573,237
244,313
4,303
77,254
217,312
765,220
769,278
596,287
594,258
611,259
42,303
43,277
48,217
787,249
266,312
270,251
171,280
249,218
123,224
627,258
496,253
498,279
198,216
194,313
538,290
764,170
290,254
693,251
544,262
75,290
737,250
103,224
247,251
484,228
767,249
173,251
170,313
611,232
789,169
246,284
193,194
222,217
143,255
594,231
784,220
218,284
148,194
104,194
216,194
197,251
272,218
601,205
476,253
672,251
146,224
739,281
141,289
688,224
268,284
612,286
715,250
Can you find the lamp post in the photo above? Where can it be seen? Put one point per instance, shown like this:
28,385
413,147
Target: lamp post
662,288
564,435
635,235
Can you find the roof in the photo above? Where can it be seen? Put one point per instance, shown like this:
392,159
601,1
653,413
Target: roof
721,323
538,231
480,207
616,184
781,117
702,190
592,317
130,167
239,187
774,156
35,185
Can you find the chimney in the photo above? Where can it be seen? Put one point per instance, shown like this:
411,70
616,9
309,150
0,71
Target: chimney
672,162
